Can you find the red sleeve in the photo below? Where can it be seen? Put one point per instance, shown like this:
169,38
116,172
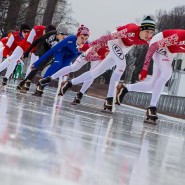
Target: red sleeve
121,33
84,48
4,40
168,41
6,51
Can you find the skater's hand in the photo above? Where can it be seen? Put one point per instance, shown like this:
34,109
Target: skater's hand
32,67
143,74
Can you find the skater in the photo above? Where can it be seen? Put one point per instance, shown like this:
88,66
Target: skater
13,39
163,48
79,62
129,35
11,61
65,52
42,45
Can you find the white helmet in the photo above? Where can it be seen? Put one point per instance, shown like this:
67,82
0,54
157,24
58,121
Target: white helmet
62,29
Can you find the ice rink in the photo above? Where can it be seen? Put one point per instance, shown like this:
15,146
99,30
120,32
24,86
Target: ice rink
48,141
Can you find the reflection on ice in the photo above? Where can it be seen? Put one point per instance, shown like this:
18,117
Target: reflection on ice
49,141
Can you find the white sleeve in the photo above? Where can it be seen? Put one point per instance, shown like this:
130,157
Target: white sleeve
31,36
10,41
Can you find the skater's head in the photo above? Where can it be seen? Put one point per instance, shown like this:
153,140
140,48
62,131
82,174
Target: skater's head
147,28
62,31
50,28
82,35
25,29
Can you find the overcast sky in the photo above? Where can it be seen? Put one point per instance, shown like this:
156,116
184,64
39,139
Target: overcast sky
103,15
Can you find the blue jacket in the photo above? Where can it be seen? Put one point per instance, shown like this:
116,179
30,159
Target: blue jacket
67,46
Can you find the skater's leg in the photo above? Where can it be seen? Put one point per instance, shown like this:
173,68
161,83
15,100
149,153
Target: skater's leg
33,59
79,62
106,64
16,55
85,85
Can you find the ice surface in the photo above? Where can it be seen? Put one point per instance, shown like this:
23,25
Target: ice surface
48,141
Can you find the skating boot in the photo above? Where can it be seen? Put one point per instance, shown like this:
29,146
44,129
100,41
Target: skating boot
26,86
77,99
4,84
121,92
151,115
39,91
108,104
65,85
20,86
44,81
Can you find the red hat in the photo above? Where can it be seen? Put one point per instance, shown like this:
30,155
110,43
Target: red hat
82,30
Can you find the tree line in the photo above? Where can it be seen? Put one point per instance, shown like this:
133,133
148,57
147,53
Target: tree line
44,12
34,12
173,19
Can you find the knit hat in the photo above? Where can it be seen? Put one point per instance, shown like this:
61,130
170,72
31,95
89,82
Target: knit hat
148,24
50,28
62,29
25,27
82,30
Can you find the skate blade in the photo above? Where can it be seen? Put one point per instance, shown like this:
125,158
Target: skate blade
150,121
23,91
106,111
2,89
36,95
73,103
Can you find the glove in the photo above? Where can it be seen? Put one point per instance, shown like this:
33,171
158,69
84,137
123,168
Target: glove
143,74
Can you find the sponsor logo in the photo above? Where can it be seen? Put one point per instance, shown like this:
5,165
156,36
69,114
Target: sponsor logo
161,51
182,42
130,34
118,51
165,59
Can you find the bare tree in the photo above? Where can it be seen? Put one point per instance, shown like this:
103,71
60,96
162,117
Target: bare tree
12,14
3,13
175,19
32,12
48,14
62,14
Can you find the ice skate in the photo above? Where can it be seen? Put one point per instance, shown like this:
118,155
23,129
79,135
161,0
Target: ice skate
108,105
121,92
77,98
25,88
151,116
3,85
20,86
38,91
65,85
44,81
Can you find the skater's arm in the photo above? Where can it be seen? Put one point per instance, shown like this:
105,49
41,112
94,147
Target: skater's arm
37,41
7,46
49,53
104,39
121,32
169,41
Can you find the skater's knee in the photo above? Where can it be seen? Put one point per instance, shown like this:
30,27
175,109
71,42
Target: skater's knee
119,71
74,68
